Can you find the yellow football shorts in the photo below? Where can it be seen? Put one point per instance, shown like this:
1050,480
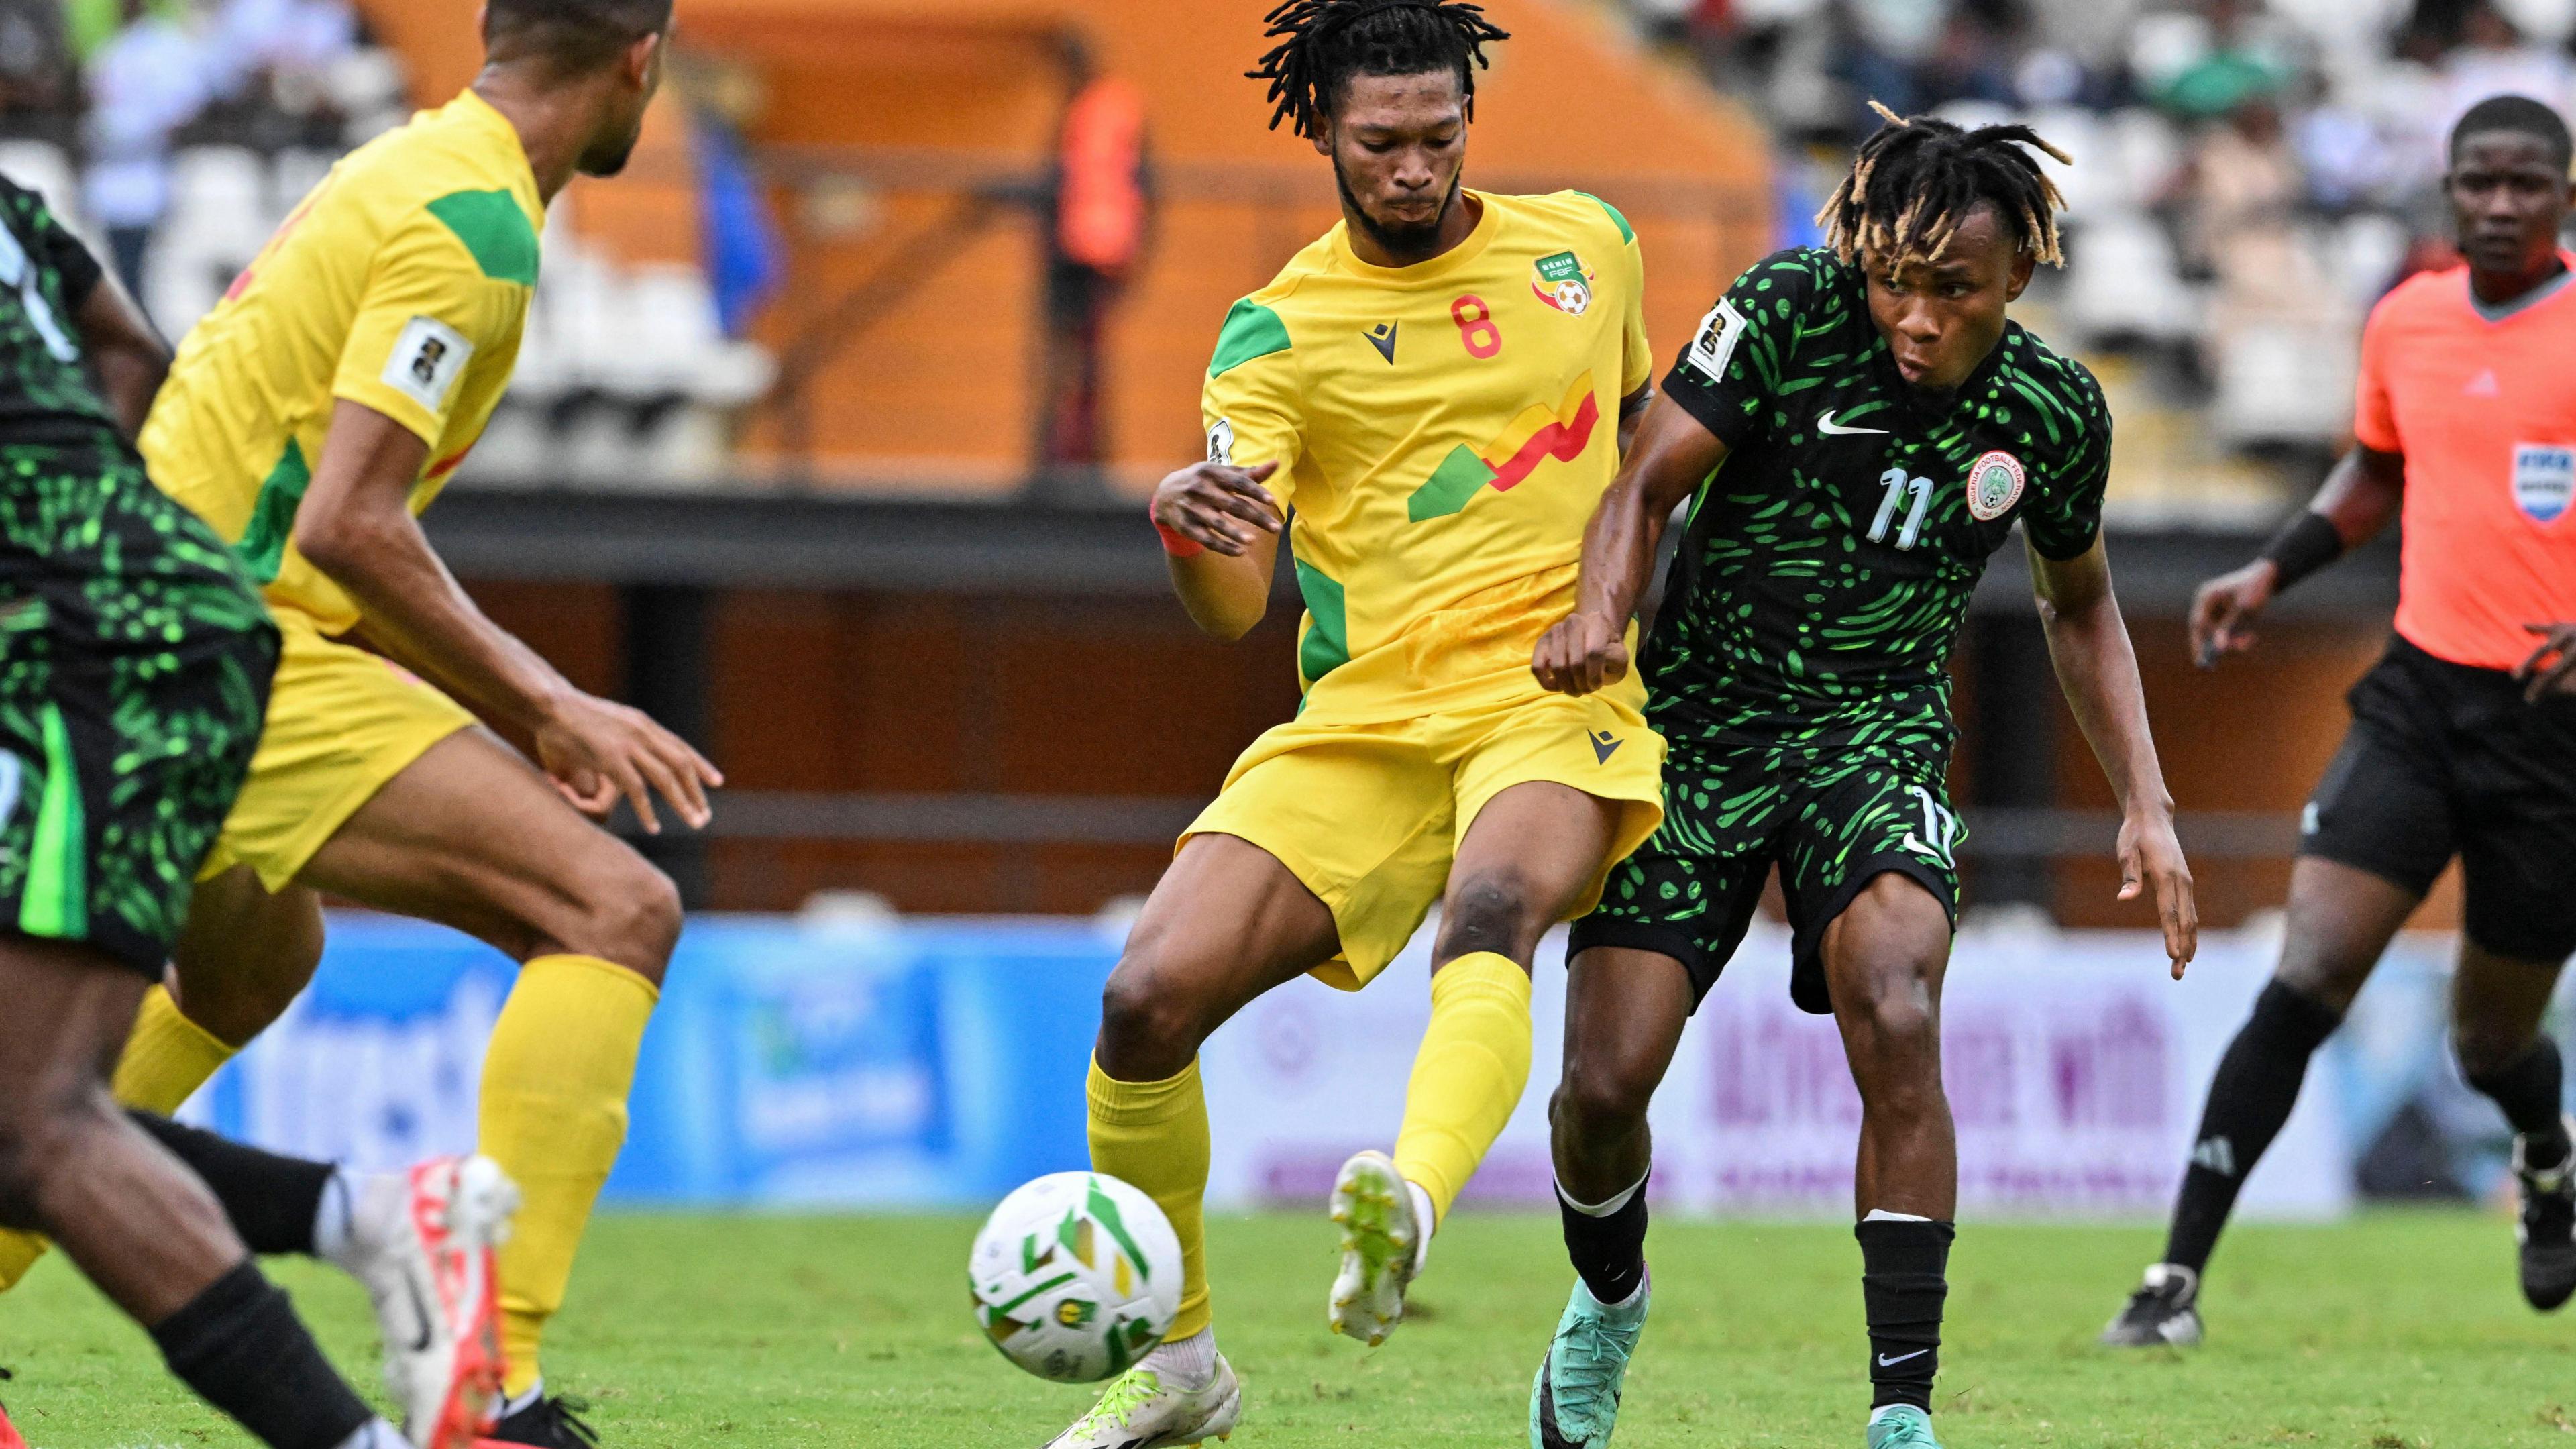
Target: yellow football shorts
341,723
1368,817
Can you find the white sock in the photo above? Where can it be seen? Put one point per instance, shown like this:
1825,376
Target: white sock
375,1434
1616,1201
1188,1362
334,1222
1882,1215
1426,1218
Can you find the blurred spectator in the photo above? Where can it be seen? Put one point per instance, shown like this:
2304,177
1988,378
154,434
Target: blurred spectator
2493,58
1102,215
39,80
145,82
2240,61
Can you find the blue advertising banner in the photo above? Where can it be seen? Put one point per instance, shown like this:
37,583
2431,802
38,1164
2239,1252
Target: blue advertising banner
935,1062
917,1064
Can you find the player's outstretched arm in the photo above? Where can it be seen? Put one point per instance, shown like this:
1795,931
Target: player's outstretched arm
1672,452
356,526
2089,644
2359,497
1220,532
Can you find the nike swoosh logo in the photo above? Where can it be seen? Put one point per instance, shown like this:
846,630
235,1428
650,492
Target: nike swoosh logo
1885,1362
1827,426
419,1311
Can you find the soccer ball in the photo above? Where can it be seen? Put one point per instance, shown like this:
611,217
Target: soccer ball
1076,1276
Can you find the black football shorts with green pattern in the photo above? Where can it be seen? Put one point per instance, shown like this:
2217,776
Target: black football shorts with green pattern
135,658
1832,821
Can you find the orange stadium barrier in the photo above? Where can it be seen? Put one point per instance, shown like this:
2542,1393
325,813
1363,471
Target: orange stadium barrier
910,142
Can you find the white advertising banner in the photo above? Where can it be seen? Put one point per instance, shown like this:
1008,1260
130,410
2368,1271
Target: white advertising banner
2075,1070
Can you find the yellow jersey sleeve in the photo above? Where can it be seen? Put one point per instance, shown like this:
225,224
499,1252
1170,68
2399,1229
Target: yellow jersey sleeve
1251,401
451,282
1637,366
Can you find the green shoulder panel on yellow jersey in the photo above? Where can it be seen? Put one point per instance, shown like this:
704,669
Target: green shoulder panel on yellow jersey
495,230
1627,233
1251,330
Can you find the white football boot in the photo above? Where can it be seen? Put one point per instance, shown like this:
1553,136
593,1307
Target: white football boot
1138,1411
1384,1234
421,1241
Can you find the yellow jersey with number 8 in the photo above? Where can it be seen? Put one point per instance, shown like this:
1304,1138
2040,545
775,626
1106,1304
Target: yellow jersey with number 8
1443,432
401,283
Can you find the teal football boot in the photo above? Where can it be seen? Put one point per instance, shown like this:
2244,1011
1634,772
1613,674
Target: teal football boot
1901,1426
1574,1403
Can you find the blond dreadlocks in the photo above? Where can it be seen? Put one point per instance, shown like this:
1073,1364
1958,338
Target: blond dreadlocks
1916,178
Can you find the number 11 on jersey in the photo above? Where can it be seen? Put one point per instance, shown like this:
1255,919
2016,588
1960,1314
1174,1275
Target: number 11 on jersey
1896,483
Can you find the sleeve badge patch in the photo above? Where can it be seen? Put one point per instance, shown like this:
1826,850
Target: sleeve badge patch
428,359
1994,485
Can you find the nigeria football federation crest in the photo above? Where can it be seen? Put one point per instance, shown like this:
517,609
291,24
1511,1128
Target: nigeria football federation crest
1994,485
1561,282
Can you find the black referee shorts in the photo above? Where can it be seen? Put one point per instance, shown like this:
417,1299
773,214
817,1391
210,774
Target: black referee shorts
2442,760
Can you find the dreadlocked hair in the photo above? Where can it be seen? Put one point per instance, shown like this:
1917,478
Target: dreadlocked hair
1323,43
1917,178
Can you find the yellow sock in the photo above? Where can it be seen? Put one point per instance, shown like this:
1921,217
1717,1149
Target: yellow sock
167,1058
1154,1136
555,1080
1467,1075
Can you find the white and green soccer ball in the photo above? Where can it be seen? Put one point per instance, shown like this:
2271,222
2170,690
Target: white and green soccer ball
1076,1276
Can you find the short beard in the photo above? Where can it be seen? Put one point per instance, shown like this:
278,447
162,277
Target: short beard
1416,242
606,161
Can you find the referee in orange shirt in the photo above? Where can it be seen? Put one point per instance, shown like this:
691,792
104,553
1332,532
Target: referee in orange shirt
2463,738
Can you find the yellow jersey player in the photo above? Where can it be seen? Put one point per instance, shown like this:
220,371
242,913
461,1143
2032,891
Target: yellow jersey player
309,418
1438,387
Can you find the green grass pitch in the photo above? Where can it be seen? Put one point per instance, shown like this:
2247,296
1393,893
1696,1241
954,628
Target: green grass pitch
2400,1330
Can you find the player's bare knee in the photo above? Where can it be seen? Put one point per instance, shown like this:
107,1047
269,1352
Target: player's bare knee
1893,1020
1151,1021
1493,912
629,913
1600,1097
234,1001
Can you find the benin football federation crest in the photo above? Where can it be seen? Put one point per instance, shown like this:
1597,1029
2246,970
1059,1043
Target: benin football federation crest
1561,282
1994,485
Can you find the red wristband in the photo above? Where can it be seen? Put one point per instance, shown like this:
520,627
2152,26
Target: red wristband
1175,544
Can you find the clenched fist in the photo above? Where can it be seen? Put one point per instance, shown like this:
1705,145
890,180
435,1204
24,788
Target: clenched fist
1582,653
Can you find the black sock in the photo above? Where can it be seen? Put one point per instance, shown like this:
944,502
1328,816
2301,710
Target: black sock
271,1200
2257,1084
1904,1280
241,1347
1608,1250
2528,1088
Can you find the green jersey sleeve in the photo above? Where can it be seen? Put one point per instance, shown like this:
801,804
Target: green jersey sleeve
2067,516
1734,372
1249,404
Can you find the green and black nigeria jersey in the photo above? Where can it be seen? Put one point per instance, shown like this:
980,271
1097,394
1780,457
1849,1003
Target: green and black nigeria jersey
45,276
1828,561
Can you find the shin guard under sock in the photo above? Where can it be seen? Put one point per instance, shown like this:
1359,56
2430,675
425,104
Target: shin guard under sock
1607,1241
1904,1281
